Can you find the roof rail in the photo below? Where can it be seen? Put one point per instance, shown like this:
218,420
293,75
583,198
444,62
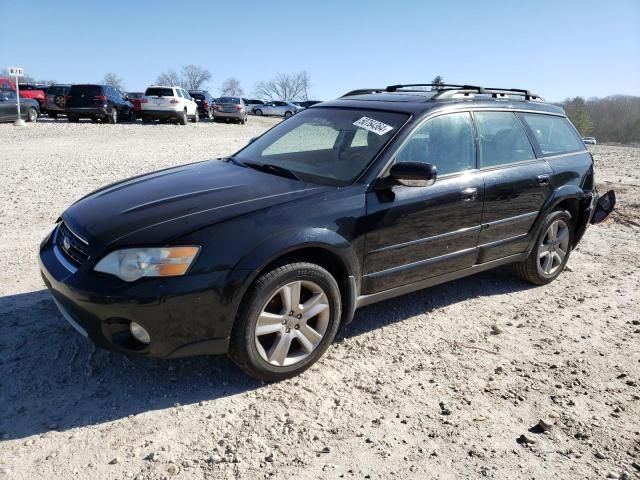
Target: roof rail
434,86
363,91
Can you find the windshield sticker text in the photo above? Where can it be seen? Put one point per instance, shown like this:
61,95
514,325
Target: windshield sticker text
373,125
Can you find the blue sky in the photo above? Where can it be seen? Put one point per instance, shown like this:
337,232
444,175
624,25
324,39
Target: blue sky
555,48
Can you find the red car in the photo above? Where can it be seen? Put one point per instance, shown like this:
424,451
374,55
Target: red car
26,91
135,98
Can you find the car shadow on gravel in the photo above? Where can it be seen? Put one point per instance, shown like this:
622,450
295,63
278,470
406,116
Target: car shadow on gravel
52,378
493,282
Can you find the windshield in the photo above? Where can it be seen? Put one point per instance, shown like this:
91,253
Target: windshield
325,145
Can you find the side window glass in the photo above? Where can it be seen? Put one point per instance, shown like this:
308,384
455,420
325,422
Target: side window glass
445,141
554,134
502,139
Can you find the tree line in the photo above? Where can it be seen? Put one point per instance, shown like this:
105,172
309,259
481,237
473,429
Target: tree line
610,119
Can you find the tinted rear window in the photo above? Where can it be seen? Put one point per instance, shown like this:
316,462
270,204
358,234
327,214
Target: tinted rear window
199,96
555,135
228,100
134,95
159,92
93,90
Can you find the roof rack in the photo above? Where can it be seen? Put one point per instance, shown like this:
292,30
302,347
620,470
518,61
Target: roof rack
448,90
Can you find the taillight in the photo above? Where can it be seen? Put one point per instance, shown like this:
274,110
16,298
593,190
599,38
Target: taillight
101,98
206,104
238,107
175,101
67,98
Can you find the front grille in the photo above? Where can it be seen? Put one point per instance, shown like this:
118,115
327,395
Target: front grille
71,245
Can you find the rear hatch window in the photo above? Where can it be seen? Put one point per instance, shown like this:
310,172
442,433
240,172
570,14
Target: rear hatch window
159,92
84,95
228,100
197,96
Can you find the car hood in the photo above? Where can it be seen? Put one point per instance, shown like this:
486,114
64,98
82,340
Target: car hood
164,205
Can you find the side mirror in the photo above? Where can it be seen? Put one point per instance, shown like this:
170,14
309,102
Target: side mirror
414,174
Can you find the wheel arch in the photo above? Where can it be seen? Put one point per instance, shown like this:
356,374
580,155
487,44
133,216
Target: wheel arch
320,246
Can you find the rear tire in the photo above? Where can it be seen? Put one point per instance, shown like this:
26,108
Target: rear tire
551,251
258,112
32,114
184,119
287,114
196,117
292,342
112,118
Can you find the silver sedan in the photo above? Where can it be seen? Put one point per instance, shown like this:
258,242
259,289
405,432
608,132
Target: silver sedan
279,108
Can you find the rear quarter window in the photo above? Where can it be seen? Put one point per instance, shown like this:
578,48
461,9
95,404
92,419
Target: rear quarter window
554,134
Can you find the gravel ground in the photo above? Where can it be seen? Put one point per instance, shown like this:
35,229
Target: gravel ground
449,382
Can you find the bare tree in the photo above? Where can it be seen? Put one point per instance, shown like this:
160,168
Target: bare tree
437,80
170,78
194,77
113,80
231,87
285,87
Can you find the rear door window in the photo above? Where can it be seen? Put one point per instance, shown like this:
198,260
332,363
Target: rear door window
503,140
555,135
445,141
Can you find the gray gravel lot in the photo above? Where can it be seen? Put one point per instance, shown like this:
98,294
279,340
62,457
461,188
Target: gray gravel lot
449,382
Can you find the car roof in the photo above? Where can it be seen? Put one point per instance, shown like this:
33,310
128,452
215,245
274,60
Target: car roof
416,102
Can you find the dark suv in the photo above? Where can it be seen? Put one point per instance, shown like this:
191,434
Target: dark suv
205,102
263,255
98,102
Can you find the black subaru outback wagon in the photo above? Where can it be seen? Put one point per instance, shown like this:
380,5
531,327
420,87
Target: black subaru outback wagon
264,254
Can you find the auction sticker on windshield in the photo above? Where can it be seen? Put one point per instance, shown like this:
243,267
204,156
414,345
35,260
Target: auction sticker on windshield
373,125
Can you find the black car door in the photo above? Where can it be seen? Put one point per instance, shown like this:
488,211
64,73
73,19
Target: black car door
8,107
517,184
421,232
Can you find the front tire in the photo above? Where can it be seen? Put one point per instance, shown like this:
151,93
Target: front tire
287,320
551,252
287,114
258,112
196,117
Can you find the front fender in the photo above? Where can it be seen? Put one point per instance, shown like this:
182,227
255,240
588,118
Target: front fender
245,272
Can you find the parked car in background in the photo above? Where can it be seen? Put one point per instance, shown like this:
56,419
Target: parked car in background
166,103
98,102
56,99
251,103
29,108
266,254
136,98
278,108
589,140
26,91
205,102
230,108
307,103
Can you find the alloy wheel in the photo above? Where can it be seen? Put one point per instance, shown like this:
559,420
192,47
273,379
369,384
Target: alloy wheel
292,323
554,247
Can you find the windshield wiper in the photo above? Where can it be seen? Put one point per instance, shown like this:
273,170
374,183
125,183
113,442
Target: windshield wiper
233,160
273,169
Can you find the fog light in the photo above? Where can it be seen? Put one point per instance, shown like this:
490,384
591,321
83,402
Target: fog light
139,333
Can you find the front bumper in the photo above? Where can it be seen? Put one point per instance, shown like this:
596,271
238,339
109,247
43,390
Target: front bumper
184,315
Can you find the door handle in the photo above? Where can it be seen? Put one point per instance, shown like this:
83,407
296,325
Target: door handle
542,179
469,194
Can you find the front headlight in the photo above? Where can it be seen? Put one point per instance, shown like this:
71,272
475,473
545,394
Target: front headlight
133,263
